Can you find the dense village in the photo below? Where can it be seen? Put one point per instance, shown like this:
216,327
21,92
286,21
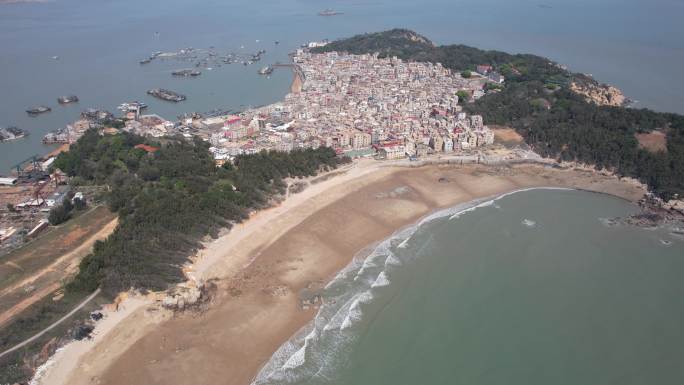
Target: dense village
359,105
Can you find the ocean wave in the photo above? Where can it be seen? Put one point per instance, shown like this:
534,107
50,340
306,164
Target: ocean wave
472,208
317,349
491,201
381,281
297,359
371,262
355,313
393,261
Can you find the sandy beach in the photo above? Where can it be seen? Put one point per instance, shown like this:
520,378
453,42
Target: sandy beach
262,265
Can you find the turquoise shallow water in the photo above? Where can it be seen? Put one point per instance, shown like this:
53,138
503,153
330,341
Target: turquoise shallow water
533,288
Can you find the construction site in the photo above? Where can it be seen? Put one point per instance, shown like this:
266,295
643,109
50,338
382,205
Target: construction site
26,197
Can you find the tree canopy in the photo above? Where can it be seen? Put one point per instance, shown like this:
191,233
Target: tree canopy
167,201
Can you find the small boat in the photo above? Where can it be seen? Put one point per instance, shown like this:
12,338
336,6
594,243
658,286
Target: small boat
329,12
67,99
187,72
166,95
132,106
11,133
266,70
145,61
38,110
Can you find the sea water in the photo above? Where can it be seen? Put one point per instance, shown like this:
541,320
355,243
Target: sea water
537,287
634,44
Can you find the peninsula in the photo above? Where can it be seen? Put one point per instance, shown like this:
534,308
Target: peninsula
228,221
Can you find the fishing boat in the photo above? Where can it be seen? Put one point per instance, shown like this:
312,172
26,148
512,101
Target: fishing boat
38,110
67,99
266,70
187,72
166,95
329,12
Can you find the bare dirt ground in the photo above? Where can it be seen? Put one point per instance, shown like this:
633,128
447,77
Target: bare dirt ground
38,269
654,141
506,135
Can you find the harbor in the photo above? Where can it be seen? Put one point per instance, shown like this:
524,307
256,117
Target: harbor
205,58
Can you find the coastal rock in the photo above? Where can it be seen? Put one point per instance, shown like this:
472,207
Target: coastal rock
654,213
675,205
185,296
170,302
600,94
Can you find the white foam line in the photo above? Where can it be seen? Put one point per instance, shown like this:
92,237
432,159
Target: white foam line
292,354
381,280
489,201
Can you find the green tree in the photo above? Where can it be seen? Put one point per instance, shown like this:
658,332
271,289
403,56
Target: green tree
168,202
59,214
463,96
80,203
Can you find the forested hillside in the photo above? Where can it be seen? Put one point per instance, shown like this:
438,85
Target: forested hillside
555,121
168,199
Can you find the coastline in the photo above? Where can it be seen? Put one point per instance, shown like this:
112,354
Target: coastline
278,253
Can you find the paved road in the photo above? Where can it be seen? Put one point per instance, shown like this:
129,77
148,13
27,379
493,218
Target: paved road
47,329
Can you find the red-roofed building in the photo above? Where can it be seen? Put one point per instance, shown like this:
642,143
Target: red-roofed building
230,120
484,69
147,148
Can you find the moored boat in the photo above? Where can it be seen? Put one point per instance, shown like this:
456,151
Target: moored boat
67,99
266,70
38,110
166,95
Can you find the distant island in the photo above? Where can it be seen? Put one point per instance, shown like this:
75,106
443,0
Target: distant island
562,115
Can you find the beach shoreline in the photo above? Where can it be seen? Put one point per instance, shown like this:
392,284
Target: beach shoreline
262,265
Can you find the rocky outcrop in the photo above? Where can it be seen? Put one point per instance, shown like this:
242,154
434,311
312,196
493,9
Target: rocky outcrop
185,296
655,212
675,205
601,94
